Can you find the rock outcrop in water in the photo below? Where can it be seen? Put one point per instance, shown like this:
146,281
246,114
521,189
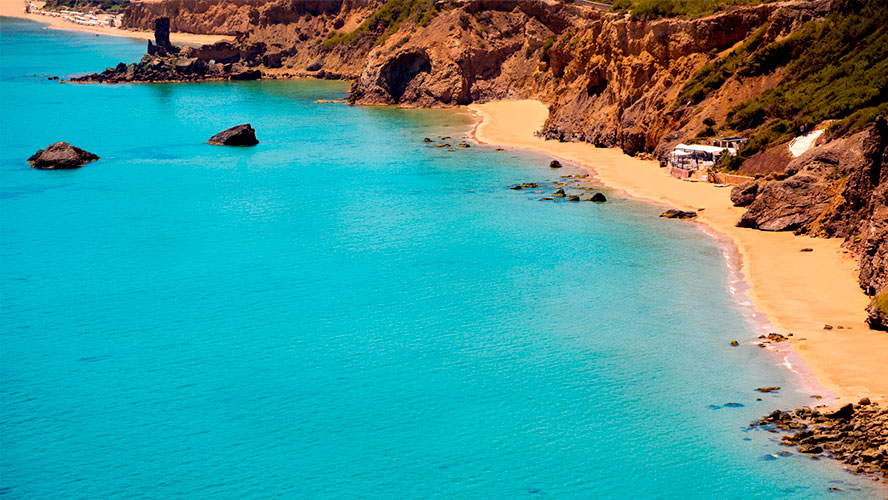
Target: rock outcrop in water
163,45
674,213
856,435
59,156
165,62
240,135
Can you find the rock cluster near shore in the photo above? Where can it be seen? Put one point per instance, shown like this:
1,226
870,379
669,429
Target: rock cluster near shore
854,434
576,183
164,62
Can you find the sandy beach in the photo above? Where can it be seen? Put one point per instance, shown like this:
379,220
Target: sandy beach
799,292
16,8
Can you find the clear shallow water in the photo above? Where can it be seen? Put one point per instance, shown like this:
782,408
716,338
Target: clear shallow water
344,312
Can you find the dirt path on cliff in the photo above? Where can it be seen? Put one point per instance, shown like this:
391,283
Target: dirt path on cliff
800,292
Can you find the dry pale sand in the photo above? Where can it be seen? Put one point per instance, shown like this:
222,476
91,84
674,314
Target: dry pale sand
799,292
16,8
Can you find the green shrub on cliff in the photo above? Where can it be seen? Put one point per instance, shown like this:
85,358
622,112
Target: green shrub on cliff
105,5
713,75
655,9
836,68
390,16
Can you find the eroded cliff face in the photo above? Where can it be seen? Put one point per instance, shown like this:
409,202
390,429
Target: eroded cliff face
620,79
230,17
609,80
839,189
478,51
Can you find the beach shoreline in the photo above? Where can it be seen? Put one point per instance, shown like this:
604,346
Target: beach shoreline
14,8
796,292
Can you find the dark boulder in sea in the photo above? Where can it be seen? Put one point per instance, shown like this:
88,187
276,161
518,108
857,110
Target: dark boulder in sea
559,193
598,198
525,185
241,135
678,214
554,164
59,156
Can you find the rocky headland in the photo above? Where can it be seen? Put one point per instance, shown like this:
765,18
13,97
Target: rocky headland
856,435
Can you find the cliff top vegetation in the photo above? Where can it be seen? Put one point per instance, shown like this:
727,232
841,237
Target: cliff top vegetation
110,6
655,9
836,69
388,18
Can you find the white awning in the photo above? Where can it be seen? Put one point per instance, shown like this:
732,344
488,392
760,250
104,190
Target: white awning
701,149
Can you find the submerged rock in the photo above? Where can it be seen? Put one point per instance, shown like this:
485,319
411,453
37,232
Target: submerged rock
678,214
776,337
241,135
810,448
59,156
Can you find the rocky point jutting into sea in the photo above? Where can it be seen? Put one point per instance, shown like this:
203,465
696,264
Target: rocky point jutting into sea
609,79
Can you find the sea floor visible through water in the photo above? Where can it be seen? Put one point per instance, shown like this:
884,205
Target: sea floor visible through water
347,311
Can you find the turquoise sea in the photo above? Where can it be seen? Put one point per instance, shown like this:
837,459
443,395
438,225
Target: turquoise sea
345,312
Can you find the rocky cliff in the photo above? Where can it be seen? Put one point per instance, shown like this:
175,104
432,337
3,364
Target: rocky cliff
230,17
839,190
